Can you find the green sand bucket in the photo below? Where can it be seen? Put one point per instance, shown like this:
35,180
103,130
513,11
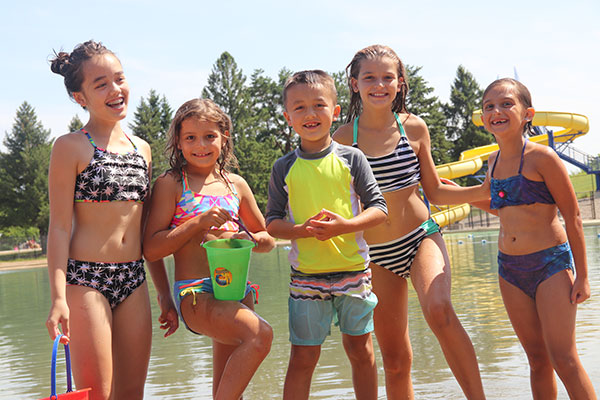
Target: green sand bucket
228,260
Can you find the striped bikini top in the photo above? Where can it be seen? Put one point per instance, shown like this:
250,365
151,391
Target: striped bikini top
396,170
192,204
112,176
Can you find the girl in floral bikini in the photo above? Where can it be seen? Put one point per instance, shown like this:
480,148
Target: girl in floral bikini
98,181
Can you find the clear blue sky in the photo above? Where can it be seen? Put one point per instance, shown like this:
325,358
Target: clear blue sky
171,46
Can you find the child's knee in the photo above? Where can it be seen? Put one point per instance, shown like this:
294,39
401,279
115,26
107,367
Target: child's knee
264,338
438,313
304,357
359,348
398,360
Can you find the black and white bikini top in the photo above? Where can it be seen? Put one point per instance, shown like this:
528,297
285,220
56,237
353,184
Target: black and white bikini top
398,169
113,176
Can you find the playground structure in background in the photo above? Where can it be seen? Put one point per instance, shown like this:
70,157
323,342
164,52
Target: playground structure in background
472,161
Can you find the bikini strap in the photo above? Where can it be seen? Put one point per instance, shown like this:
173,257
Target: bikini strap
355,131
100,148
494,166
89,137
399,125
184,180
522,156
230,184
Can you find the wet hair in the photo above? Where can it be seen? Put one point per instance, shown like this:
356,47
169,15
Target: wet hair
374,52
70,66
315,77
522,94
205,110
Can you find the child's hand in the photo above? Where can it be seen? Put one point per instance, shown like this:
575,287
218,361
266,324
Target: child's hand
168,319
214,217
326,225
580,291
241,235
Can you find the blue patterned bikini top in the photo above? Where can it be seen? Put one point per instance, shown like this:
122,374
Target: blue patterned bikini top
396,170
517,190
113,176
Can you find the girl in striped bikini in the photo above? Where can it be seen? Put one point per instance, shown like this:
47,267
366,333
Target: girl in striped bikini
397,146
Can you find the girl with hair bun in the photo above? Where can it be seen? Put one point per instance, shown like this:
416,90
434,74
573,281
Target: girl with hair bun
98,182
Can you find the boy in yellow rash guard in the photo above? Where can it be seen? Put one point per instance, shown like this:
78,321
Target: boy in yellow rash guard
315,197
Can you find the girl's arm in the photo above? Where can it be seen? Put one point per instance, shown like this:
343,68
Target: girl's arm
61,188
168,318
436,192
557,180
252,217
159,240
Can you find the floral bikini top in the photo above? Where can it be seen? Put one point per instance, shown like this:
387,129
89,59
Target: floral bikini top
517,190
113,176
192,204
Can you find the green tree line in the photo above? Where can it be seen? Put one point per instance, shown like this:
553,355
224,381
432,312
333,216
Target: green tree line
261,134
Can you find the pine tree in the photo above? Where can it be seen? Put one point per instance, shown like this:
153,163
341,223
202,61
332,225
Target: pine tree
75,124
226,87
151,122
343,97
24,173
465,97
421,102
266,111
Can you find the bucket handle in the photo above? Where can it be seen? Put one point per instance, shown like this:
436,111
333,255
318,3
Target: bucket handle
53,368
241,225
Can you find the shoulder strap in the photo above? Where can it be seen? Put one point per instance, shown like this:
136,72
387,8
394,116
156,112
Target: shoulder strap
131,141
399,125
494,166
230,184
522,156
184,180
355,131
89,137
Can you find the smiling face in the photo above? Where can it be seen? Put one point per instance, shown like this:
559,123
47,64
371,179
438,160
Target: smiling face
377,82
104,91
503,111
310,111
201,143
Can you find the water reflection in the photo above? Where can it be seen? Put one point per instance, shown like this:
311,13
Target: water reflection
180,366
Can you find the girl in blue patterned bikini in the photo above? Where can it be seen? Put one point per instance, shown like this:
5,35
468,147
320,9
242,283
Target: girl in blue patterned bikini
542,266
195,201
97,182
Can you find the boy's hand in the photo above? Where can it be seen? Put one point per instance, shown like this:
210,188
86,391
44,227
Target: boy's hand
326,225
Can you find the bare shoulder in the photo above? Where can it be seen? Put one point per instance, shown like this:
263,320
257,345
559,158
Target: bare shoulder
344,134
539,153
72,146
414,125
142,146
168,181
238,181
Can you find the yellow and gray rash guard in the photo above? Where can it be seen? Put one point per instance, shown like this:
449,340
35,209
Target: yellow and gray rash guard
338,179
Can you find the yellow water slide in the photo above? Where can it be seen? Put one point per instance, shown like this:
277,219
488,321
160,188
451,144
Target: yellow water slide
471,161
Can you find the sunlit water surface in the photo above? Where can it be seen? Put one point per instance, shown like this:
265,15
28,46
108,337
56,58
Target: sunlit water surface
180,367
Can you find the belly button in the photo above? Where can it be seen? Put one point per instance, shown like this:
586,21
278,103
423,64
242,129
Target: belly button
514,239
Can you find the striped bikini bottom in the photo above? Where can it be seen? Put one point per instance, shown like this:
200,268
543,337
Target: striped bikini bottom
398,255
